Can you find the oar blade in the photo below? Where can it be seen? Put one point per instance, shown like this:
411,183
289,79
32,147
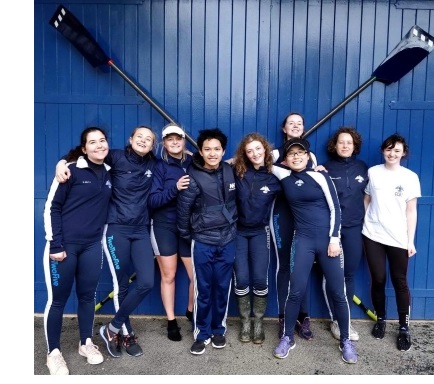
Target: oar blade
412,49
71,28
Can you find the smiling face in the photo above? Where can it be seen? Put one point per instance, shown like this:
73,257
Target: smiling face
344,145
96,147
142,141
174,145
393,156
297,158
212,153
255,152
294,126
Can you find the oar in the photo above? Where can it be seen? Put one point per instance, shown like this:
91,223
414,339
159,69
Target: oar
412,49
71,28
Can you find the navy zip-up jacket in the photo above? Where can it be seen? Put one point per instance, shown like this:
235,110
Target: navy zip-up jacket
76,211
256,192
313,200
162,198
132,179
350,177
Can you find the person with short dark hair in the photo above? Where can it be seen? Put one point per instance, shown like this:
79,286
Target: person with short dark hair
207,215
74,217
388,231
350,176
317,221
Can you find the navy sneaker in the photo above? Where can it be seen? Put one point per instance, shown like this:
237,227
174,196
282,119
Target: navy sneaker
111,340
131,346
285,345
303,329
404,339
198,346
348,350
218,341
379,329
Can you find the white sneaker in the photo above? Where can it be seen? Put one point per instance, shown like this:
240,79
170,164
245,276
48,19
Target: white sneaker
354,336
56,364
90,350
334,328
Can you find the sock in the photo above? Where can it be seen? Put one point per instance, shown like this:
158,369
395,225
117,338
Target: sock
113,329
281,316
172,324
189,315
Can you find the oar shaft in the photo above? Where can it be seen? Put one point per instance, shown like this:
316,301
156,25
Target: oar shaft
340,105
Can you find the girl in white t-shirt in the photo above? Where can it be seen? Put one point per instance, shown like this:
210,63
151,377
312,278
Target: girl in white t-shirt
388,233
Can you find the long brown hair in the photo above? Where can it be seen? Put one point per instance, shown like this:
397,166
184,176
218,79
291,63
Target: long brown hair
241,161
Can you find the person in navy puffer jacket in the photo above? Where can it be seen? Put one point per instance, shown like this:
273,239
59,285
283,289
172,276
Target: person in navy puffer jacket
207,215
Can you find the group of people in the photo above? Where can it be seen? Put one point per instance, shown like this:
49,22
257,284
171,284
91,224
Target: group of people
220,218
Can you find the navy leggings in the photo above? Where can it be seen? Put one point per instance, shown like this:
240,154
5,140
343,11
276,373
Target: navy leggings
253,254
126,247
352,246
282,231
305,247
83,263
376,255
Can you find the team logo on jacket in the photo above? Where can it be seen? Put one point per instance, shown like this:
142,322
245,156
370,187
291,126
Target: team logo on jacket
265,189
148,173
231,187
108,184
299,183
360,179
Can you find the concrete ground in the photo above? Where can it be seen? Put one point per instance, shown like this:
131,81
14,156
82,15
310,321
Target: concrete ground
320,356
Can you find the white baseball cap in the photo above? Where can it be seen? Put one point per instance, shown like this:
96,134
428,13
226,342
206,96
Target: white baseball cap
173,129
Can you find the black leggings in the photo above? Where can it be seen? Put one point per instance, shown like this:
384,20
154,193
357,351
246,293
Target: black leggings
376,254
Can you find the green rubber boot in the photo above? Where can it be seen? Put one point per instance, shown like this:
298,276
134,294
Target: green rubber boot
245,335
259,307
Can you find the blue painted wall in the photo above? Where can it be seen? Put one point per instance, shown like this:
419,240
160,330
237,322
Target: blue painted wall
241,65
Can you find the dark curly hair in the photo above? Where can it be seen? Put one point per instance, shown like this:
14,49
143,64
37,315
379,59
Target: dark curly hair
357,140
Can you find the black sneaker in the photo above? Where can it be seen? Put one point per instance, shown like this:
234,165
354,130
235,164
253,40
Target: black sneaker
198,346
218,341
404,340
131,346
379,329
111,341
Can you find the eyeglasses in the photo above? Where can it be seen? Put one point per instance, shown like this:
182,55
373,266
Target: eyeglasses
298,153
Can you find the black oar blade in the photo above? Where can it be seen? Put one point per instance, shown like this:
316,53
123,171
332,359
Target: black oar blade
70,27
413,48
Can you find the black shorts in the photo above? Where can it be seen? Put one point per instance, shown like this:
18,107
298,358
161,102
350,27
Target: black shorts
166,241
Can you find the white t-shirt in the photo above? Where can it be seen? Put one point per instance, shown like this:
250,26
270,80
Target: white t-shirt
385,219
